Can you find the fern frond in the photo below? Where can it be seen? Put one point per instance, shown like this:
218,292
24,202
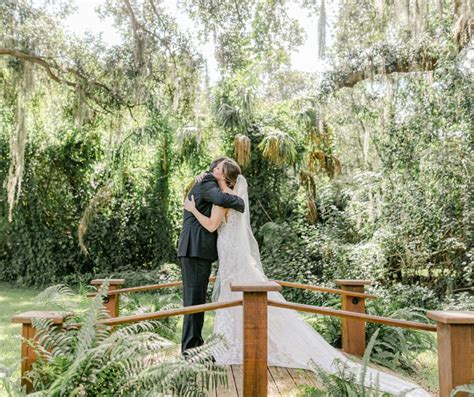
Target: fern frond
366,357
90,332
57,296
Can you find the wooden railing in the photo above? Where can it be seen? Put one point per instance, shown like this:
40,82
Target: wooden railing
455,330
352,299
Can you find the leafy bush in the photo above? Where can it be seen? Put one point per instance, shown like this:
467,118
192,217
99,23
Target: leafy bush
131,304
61,207
398,348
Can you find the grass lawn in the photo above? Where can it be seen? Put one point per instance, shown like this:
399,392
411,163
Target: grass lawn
16,300
13,300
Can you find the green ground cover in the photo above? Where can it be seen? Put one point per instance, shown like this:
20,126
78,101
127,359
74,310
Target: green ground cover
13,300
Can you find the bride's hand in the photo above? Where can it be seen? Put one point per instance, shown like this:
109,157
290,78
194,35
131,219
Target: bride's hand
200,177
190,205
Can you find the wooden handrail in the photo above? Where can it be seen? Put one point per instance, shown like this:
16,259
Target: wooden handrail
150,287
172,312
325,289
353,315
212,279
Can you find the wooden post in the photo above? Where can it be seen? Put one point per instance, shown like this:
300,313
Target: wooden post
353,331
455,349
28,332
255,336
111,302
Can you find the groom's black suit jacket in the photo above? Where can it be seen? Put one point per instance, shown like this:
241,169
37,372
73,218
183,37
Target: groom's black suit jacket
195,241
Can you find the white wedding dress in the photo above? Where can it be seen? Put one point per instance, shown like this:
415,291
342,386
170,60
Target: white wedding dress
292,342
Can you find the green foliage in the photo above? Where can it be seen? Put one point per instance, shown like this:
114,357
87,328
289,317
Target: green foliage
131,228
370,181
398,348
92,359
344,384
381,169
149,303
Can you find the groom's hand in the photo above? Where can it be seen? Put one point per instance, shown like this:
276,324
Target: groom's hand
211,193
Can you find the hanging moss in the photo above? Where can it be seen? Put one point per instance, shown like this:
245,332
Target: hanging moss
18,136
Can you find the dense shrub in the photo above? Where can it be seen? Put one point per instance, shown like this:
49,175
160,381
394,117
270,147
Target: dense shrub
129,228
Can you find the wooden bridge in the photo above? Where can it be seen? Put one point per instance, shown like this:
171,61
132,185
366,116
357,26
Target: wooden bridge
455,332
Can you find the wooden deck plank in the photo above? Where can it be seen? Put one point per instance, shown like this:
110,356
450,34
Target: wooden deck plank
272,386
237,370
303,377
313,378
282,382
285,384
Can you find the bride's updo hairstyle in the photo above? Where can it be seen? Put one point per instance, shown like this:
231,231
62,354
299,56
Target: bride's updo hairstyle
231,171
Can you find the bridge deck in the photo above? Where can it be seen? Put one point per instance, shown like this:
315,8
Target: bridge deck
282,382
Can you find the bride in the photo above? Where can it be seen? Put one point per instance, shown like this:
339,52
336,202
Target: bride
292,342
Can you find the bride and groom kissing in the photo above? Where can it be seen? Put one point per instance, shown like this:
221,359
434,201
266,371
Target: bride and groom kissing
216,225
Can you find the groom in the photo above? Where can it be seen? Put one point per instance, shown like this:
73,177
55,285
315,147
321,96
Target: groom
197,247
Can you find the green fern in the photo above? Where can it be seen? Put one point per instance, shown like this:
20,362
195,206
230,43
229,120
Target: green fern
344,383
398,348
93,359
148,303
57,297
8,385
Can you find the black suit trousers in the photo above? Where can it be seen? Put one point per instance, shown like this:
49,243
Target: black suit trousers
195,274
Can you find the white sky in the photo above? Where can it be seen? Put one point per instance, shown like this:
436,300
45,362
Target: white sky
305,59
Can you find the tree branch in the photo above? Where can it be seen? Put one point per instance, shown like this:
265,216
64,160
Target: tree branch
39,61
343,77
54,72
382,61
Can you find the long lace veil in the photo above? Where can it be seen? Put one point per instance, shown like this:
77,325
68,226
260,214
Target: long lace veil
244,227
242,232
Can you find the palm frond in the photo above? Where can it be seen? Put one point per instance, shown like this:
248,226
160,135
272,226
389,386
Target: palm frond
309,117
242,150
278,147
189,141
319,161
229,117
